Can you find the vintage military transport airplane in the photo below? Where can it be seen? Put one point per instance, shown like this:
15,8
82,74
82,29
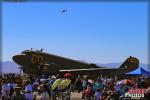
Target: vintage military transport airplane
37,61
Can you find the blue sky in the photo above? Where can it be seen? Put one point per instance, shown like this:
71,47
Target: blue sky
96,32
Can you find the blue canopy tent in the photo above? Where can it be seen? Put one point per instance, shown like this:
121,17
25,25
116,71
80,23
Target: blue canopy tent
139,71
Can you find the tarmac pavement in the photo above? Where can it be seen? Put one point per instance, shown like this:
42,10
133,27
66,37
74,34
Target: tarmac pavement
76,96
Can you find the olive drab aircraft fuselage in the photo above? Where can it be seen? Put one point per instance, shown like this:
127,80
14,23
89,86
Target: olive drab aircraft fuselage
33,62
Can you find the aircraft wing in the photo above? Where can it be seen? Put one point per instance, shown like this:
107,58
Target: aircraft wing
131,63
66,63
128,65
96,71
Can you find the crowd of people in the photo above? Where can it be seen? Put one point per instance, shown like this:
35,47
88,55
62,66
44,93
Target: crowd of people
31,87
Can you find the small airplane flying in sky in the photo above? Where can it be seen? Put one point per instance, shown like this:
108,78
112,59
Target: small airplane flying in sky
64,11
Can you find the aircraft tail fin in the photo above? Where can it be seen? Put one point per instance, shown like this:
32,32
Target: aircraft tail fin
130,63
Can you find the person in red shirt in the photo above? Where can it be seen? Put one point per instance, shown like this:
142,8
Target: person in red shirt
87,92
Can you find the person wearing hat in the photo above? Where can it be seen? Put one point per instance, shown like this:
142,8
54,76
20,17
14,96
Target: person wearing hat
65,85
65,82
51,80
56,83
18,95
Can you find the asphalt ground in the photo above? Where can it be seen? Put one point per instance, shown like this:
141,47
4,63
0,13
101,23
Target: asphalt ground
76,96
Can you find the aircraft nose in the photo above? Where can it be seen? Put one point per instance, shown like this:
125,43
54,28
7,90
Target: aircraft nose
20,59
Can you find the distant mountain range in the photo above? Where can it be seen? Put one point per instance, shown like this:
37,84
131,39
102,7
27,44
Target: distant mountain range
9,67
12,67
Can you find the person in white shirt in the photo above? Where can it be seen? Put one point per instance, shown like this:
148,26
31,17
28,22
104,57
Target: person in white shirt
12,87
28,90
5,90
